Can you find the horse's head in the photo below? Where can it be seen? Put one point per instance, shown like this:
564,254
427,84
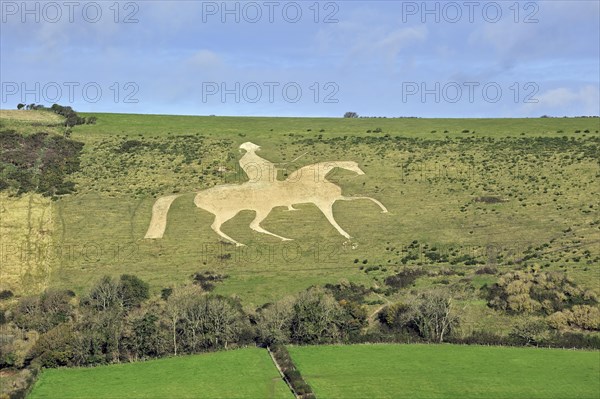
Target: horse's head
356,168
348,165
351,166
249,147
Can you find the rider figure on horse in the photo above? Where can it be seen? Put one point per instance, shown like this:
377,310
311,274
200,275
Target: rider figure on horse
256,168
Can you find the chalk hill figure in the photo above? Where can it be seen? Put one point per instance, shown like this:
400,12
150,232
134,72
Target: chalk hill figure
264,192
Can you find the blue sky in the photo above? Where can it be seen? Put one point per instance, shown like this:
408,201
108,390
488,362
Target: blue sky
304,58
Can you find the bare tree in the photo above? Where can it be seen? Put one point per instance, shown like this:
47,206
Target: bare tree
315,318
223,321
210,322
105,294
274,322
178,303
434,314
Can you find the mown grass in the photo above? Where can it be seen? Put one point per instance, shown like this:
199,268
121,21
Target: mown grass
243,373
447,371
30,121
544,172
26,116
260,127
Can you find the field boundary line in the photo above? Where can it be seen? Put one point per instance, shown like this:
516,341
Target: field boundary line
283,375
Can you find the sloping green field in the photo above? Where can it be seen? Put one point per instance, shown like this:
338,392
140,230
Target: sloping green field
448,371
244,373
429,173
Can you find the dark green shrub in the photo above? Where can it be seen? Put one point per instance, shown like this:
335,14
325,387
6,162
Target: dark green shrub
165,293
349,292
133,290
486,270
405,278
6,294
208,279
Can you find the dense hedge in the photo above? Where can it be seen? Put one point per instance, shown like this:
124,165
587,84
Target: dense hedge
22,384
290,372
569,340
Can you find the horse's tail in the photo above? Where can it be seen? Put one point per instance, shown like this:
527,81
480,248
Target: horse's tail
158,223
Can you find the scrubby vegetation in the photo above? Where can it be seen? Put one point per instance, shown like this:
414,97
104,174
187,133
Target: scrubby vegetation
537,292
156,165
38,163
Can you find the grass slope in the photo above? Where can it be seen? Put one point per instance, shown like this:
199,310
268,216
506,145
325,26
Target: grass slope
243,373
447,371
544,170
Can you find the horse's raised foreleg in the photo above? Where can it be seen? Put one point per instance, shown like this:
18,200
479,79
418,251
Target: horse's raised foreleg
216,226
383,208
261,214
327,209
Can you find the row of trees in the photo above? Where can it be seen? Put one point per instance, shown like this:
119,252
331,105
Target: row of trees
31,106
71,117
118,320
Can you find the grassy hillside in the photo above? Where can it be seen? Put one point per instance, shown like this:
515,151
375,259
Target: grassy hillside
260,127
447,371
436,177
244,373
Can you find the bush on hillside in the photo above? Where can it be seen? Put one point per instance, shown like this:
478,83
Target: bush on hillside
536,292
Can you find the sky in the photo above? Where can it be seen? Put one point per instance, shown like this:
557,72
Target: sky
305,58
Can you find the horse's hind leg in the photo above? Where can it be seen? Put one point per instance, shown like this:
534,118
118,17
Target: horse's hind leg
216,226
255,225
327,209
383,208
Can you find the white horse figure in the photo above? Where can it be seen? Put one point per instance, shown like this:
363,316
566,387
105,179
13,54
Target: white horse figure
305,185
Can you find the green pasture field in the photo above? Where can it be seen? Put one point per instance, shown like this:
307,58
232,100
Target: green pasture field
243,373
447,371
542,172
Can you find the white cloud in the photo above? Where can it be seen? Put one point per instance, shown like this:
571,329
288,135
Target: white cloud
392,43
362,43
566,101
205,59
